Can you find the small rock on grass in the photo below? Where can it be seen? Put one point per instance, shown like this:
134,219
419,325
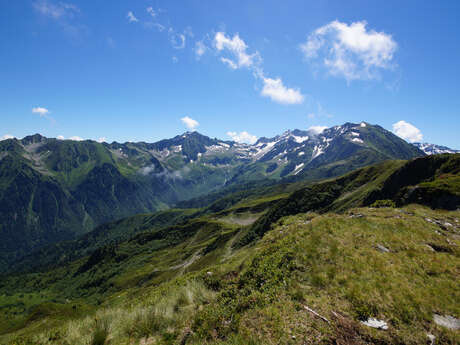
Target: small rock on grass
446,321
383,249
374,323
431,337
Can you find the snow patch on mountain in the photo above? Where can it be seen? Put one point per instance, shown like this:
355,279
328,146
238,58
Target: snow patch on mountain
433,149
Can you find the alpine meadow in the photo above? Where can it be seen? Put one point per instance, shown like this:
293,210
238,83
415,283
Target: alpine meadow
229,173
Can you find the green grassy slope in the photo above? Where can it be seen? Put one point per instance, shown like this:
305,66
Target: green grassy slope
329,263
185,276
432,181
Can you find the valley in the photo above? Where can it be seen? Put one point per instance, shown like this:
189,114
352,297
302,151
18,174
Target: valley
248,267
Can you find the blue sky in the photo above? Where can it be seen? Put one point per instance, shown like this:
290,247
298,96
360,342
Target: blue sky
147,70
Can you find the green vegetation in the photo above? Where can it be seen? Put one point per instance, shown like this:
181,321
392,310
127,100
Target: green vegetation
56,190
250,267
329,263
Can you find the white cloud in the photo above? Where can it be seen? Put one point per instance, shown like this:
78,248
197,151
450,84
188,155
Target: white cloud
229,62
64,14
6,136
55,10
272,88
317,129
200,49
43,112
177,40
76,138
350,51
151,11
175,59
237,47
131,17
242,137
190,123
60,137
102,140
276,91
407,131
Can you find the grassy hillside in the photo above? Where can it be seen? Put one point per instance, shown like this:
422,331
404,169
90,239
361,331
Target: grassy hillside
432,181
245,269
332,264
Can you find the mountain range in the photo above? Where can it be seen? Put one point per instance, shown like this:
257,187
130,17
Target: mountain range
285,262
54,190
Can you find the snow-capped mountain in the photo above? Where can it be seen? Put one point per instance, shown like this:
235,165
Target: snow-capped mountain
433,149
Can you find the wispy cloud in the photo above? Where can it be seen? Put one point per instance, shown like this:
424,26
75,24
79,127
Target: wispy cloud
111,42
76,138
177,39
6,137
200,49
189,122
57,10
64,14
407,131
242,137
317,111
151,11
350,51
131,17
239,57
238,48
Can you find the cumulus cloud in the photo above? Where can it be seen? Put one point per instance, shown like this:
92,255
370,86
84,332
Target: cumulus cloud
242,137
317,129
407,131
102,140
43,112
6,136
189,122
60,137
76,138
276,91
237,48
350,51
131,17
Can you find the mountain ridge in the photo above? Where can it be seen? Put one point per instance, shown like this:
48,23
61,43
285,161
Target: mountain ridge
87,183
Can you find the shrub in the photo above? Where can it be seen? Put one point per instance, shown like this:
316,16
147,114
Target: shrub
384,203
100,332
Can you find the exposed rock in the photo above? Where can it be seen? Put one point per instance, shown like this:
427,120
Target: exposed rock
382,249
446,321
430,247
374,323
357,215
